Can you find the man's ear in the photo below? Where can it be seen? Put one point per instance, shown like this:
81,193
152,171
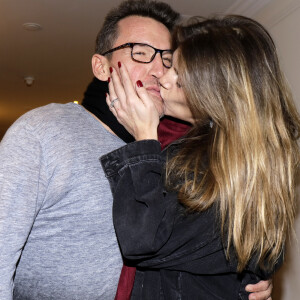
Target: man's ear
100,67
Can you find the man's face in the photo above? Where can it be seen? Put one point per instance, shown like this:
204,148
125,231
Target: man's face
137,29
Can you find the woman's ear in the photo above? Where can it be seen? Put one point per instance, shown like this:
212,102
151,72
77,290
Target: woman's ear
100,66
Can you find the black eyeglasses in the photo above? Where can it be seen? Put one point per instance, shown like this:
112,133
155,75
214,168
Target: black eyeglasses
144,53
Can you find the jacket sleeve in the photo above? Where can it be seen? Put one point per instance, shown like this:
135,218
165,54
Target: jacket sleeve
152,228
142,219
20,155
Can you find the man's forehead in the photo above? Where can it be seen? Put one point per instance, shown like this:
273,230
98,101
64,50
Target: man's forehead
137,29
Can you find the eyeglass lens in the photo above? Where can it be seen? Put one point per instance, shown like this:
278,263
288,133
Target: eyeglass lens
145,53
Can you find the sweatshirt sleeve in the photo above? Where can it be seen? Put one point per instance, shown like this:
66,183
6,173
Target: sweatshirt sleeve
20,163
152,228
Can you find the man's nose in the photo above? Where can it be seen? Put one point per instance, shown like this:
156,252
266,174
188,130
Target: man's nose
157,67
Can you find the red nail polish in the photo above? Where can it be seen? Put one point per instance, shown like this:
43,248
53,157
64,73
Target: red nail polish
110,69
139,83
119,64
108,80
105,94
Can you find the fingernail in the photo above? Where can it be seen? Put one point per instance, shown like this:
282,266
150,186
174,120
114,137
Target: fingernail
119,64
110,69
139,83
108,80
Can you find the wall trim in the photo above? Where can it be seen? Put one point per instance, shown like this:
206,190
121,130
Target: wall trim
282,13
247,8
276,11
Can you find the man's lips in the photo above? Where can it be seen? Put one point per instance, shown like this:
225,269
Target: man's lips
154,90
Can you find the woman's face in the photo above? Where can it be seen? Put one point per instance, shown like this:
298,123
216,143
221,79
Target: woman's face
175,104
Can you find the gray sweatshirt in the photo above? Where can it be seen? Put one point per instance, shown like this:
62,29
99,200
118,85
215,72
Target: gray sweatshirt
56,230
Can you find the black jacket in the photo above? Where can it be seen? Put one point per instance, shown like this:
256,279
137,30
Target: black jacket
177,255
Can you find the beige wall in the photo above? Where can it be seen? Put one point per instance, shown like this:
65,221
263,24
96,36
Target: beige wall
282,18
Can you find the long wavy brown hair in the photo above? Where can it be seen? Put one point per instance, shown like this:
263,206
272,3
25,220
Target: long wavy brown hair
241,154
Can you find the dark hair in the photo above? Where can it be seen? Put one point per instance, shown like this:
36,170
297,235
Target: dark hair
156,10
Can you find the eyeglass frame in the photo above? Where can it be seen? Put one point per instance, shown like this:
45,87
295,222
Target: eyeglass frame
131,45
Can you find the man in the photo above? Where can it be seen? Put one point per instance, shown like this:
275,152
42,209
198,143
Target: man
56,233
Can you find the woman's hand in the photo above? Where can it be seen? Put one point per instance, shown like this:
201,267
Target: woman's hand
261,290
131,105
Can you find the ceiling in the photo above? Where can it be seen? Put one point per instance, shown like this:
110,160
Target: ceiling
58,56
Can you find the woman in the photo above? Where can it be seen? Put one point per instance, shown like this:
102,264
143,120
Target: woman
212,212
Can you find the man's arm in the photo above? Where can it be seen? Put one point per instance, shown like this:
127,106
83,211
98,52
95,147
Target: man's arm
19,172
260,291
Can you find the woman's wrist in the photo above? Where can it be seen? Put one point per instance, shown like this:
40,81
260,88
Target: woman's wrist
146,136
146,133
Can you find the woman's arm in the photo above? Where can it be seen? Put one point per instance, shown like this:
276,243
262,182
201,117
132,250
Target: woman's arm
152,227
143,216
